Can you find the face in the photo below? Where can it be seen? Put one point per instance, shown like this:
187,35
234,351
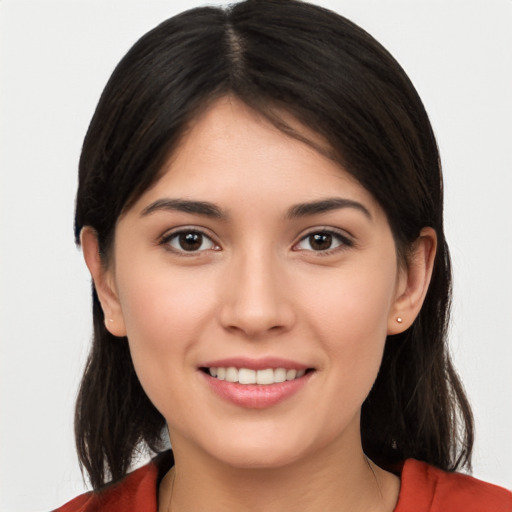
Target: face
256,282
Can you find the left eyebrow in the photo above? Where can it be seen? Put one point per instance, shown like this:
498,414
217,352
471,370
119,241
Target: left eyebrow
183,205
325,205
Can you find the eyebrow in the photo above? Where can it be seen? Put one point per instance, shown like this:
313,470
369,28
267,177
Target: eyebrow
184,205
211,210
325,205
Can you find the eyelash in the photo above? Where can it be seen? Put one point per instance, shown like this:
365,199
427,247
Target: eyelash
166,239
344,242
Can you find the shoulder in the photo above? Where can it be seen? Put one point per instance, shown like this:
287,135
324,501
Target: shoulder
137,491
138,487
425,488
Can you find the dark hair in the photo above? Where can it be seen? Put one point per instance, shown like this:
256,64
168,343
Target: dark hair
329,74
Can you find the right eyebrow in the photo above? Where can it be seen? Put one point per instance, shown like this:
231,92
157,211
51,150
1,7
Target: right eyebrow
184,205
326,205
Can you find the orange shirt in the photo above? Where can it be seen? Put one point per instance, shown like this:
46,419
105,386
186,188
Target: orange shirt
423,489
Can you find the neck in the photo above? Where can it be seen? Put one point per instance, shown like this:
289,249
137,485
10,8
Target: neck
324,481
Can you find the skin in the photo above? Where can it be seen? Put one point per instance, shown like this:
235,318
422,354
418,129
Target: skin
259,287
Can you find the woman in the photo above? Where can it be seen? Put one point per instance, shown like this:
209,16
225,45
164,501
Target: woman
260,208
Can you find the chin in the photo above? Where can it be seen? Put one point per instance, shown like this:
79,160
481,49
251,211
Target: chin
260,458
272,448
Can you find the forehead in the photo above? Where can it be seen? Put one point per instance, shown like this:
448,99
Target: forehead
231,150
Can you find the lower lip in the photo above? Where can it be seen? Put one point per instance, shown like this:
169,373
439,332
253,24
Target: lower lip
256,396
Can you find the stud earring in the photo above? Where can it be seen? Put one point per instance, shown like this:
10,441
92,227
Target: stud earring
399,319
112,321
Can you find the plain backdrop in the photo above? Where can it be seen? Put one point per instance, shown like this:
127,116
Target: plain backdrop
55,58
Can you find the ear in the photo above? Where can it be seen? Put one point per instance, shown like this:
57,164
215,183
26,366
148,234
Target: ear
103,282
413,282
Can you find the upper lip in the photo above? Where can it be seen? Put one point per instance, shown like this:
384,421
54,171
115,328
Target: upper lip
255,364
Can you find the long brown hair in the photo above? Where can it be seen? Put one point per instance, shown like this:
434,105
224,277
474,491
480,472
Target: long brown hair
332,76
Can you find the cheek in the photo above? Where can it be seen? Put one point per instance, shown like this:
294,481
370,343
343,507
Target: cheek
160,305
165,314
350,317
354,305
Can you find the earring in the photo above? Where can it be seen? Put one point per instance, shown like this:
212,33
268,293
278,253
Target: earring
399,319
112,321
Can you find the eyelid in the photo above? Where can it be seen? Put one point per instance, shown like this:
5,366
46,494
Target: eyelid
164,240
345,238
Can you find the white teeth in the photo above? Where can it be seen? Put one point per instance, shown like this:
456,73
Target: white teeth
248,376
279,375
232,374
265,376
291,374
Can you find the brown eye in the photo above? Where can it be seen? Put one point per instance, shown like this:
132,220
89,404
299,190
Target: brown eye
189,241
323,241
320,241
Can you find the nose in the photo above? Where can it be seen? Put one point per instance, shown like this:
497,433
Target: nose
256,298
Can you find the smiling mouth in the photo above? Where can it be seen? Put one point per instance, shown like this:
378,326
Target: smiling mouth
264,377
